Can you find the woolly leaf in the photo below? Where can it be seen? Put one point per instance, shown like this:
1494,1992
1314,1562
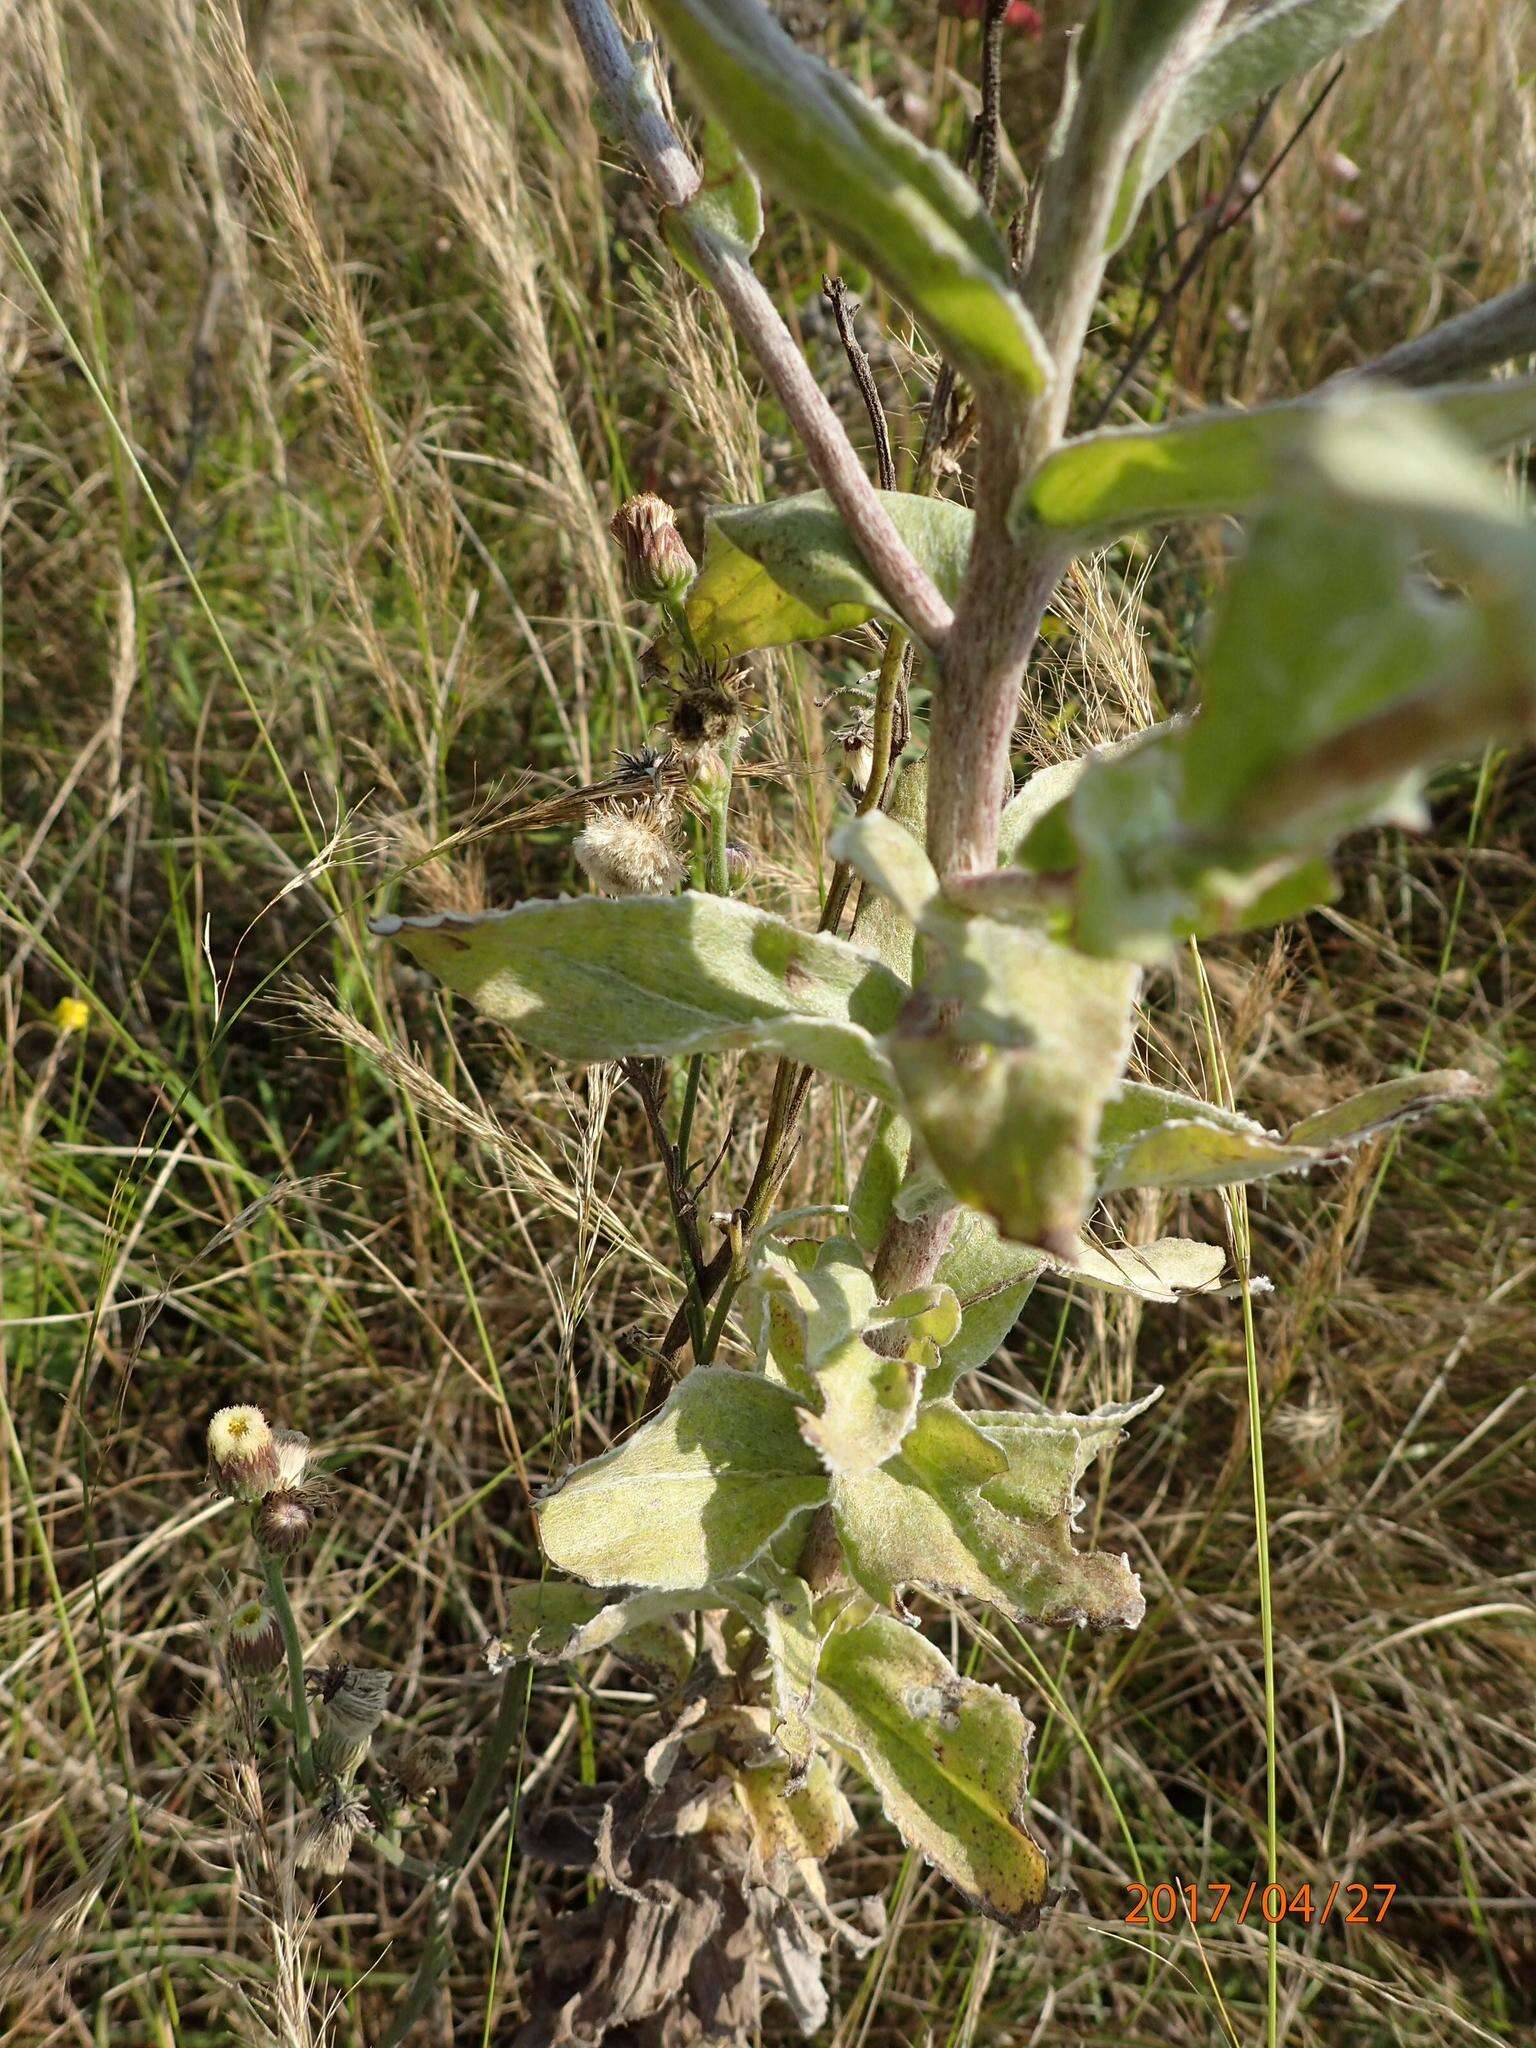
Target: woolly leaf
1260,50
808,1306
1157,1138
948,1757
592,979
693,1496
1335,679
1004,1058
904,210
1214,462
788,571
946,1515
727,207
794,1652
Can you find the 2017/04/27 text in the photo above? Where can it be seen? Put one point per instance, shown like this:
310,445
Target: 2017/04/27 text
1159,1905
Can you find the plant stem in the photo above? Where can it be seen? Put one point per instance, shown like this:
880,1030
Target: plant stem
903,581
298,1697
497,1747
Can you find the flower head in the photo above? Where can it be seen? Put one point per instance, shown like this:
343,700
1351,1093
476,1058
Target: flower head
283,1521
657,565
627,852
426,1765
243,1452
328,1831
254,1641
707,713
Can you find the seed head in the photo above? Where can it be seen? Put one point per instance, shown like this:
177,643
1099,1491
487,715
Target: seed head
243,1452
283,1522
426,1765
656,563
328,1831
629,852
254,1641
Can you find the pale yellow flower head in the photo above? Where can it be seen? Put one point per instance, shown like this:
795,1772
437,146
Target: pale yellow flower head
243,1452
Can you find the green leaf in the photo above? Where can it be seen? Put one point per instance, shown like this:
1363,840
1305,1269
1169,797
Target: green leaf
788,571
555,1621
904,210
593,979
1157,1138
1004,1058
693,1496
880,927
1106,483
794,1652
948,1757
809,1306
1335,679
1258,52
948,1514
727,207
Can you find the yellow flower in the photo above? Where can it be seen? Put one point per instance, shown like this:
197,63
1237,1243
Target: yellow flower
70,1015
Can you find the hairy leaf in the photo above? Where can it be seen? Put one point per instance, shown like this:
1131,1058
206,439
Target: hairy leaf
948,1757
902,209
1259,51
693,1496
1157,1138
945,1514
727,206
1335,679
794,1652
591,979
788,571
1213,462
1004,1058
809,1306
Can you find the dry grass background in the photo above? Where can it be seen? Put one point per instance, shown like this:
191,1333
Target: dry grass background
328,339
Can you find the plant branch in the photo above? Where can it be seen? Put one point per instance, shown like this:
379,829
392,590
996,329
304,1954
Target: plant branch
1481,339
833,458
842,308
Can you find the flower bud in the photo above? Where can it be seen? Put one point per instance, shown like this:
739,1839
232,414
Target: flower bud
254,1641
426,1765
628,852
656,563
351,1708
282,1523
328,1831
243,1452
292,1457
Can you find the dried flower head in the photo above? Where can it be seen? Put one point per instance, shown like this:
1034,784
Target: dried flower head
426,1765
283,1521
657,565
253,1640
629,852
708,711
243,1452
352,1700
328,1831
